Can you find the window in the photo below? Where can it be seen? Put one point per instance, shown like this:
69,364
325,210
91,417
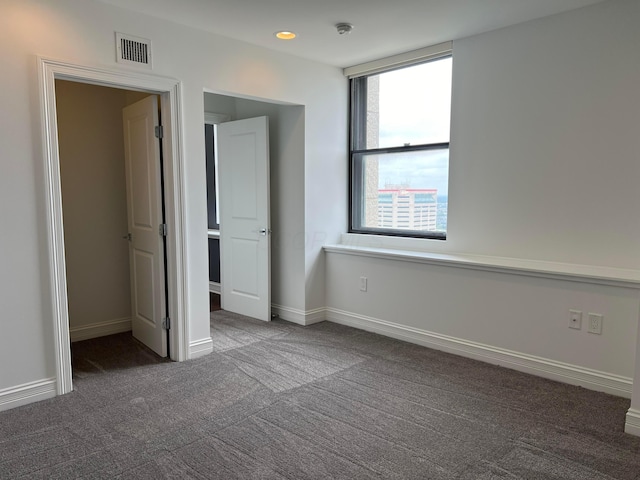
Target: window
400,124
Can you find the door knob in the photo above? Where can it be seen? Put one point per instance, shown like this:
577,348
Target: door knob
264,231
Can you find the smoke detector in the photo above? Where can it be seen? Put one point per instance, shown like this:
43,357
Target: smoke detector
344,28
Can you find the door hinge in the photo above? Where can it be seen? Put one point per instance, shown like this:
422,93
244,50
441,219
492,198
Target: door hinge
159,131
163,229
166,323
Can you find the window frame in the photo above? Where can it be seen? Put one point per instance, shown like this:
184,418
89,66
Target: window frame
357,137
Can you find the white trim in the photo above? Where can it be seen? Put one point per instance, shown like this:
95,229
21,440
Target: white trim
201,347
215,287
315,315
55,230
171,103
289,314
300,317
176,215
100,329
632,424
400,60
27,393
616,277
542,367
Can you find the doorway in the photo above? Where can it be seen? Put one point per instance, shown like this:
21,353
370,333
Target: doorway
111,209
238,153
286,149
169,92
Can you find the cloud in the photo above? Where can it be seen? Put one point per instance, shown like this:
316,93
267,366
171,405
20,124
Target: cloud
415,105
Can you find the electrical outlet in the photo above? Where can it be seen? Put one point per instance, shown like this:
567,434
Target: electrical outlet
575,319
363,284
595,323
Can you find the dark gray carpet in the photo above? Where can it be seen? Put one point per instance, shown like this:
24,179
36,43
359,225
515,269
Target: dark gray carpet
279,401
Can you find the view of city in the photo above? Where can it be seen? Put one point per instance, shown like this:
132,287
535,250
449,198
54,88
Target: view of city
407,209
441,217
411,209
405,188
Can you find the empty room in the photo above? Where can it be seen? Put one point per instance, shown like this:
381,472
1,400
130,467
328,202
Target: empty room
337,239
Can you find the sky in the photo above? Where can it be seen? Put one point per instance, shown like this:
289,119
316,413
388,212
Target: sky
415,108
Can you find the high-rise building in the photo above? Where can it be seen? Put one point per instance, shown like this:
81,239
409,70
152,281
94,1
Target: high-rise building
407,208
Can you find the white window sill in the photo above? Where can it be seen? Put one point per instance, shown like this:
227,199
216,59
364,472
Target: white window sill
617,277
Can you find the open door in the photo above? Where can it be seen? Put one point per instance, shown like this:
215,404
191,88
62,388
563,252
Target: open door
145,221
242,151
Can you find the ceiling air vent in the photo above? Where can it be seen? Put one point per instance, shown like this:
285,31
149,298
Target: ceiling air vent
132,50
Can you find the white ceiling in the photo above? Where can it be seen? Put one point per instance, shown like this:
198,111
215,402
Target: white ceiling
381,27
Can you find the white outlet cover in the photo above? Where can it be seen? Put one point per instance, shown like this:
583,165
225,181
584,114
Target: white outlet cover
595,323
575,319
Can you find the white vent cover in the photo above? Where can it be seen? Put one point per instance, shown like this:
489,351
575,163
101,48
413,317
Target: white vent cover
131,50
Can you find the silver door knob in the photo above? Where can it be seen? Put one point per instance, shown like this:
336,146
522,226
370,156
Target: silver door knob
264,231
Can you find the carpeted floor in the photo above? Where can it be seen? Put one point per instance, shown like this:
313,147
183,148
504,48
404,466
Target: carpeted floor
279,401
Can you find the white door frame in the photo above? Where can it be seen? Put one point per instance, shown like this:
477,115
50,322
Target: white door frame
169,90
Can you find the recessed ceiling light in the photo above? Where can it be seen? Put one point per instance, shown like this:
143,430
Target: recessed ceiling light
285,35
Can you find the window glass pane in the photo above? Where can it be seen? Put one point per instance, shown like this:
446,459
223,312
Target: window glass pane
212,194
403,191
410,105
401,188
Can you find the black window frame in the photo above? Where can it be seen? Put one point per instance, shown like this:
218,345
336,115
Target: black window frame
357,139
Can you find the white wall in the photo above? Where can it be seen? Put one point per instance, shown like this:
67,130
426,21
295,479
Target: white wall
544,166
525,315
82,31
326,191
545,153
220,104
287,183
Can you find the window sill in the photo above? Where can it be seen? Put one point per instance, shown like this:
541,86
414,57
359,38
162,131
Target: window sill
617,277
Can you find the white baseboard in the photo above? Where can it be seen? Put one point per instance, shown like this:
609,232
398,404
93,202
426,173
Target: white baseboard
27,393
201,347
542,367
301,317
100,329
632,425
215,287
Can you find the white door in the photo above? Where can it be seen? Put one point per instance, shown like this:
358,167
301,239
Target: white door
144,212
242,151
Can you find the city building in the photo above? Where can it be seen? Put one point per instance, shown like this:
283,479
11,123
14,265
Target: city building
407,208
